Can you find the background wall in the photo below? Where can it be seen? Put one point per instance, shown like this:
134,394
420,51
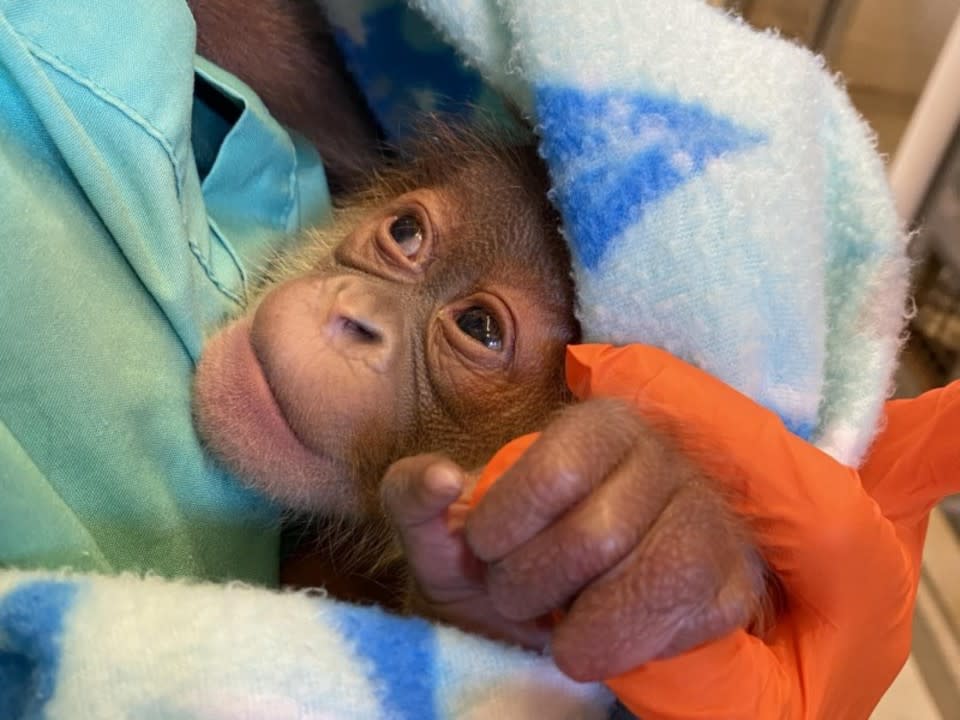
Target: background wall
884,51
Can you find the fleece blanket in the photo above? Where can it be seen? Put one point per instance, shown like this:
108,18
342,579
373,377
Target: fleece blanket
721,198
78,647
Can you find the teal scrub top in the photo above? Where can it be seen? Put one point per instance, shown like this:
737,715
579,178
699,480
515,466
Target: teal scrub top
138,185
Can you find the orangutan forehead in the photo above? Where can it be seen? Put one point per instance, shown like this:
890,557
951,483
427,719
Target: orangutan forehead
475,157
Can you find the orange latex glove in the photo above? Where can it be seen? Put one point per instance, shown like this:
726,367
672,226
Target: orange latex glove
846,546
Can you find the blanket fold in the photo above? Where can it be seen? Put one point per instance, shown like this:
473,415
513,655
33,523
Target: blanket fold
721,197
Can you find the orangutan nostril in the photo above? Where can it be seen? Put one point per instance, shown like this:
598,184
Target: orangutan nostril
361,331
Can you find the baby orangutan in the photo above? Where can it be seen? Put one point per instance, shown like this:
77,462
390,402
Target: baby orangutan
428,325
432,316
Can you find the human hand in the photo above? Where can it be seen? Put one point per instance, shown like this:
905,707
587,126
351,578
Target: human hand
847,552
848,560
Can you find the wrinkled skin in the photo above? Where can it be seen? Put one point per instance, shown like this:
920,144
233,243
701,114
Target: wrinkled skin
371,347
604,516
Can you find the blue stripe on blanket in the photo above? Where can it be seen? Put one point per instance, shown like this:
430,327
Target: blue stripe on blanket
613,153
404,657
31,627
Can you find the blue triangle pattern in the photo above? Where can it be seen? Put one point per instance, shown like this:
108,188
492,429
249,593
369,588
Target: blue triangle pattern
613,154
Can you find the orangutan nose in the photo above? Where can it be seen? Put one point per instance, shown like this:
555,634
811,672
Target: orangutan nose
362,331
363,320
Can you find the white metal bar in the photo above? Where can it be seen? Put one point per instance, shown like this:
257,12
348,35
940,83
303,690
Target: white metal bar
930,130
829,26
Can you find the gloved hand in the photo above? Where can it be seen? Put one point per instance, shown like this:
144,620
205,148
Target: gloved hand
606,515
849,568
845,546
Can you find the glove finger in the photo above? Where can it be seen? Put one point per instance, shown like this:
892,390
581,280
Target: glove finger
915,460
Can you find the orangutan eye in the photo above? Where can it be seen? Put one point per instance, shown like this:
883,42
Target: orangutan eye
480,324
407,233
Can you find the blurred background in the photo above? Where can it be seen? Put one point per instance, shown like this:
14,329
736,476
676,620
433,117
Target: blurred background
900,61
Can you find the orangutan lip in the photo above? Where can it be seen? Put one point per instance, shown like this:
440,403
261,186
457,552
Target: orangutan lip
258,367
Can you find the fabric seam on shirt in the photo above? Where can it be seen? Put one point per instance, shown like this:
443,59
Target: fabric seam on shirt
66,505
61,66
240,300
283,216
